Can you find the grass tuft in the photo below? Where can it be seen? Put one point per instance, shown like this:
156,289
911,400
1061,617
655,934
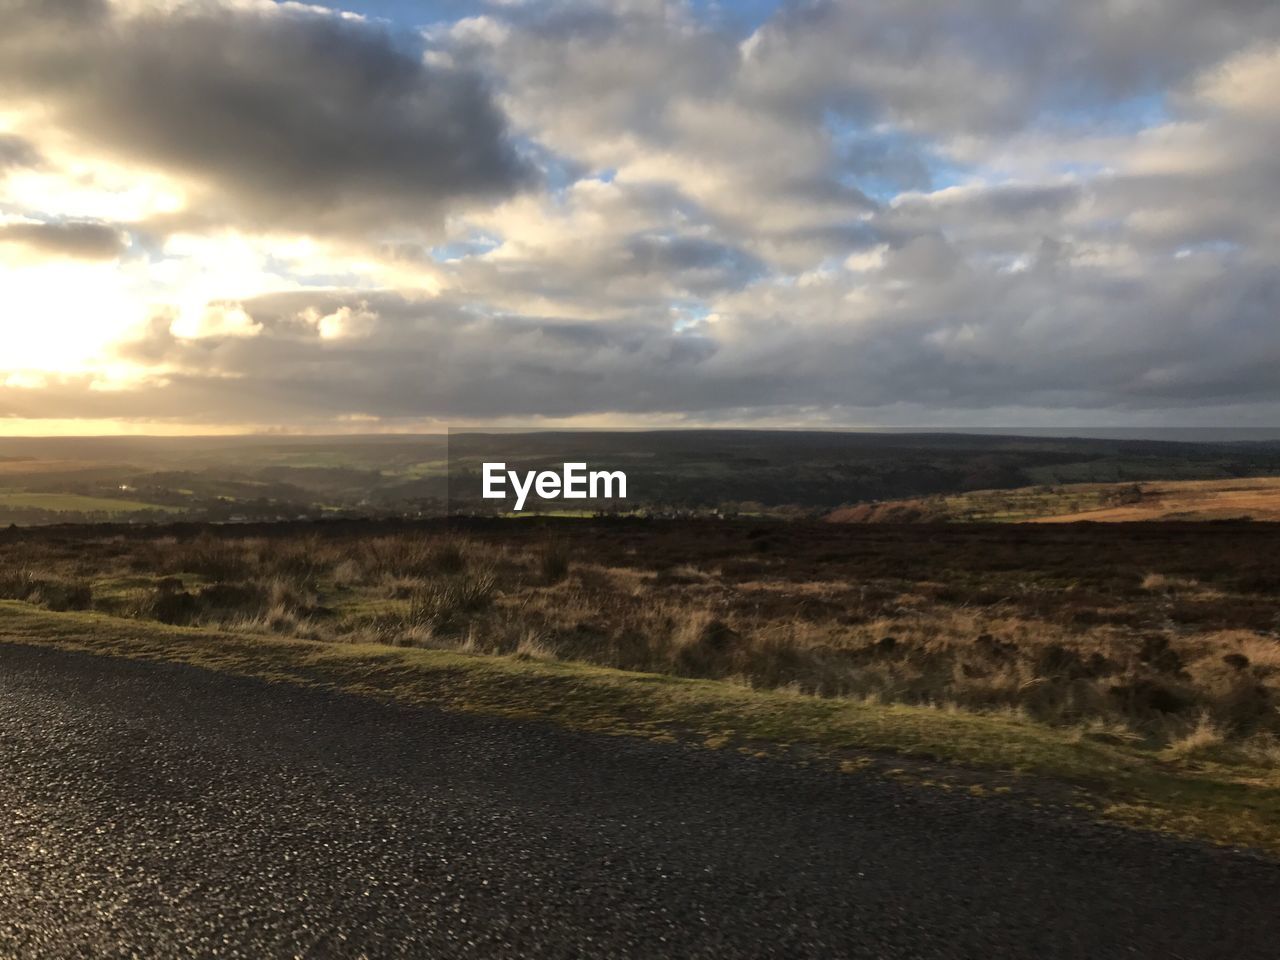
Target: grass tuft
1189,791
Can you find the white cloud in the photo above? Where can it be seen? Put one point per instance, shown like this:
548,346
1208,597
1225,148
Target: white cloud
856,208
215,320
346,322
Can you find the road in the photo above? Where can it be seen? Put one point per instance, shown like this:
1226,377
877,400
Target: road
160,811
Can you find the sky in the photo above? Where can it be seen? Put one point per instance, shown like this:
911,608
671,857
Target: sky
242,215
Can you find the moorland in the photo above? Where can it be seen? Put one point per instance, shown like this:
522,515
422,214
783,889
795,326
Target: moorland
1168,633
1236,498
1139,659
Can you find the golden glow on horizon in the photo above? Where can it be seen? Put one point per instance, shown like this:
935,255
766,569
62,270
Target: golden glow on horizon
363,425
28,427
23,427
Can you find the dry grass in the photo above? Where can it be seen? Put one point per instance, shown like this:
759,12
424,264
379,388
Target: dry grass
1256,498
1096,767
1173,642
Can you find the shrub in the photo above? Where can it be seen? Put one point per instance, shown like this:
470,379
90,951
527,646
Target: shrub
1244,706
347,573
533,647
176,607
63,594
440,602
212,556
301,560
55,594
1142,696
231,599
705,647
553,562
407,557
17,585
448,558
1202,740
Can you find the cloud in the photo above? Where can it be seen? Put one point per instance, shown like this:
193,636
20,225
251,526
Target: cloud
271,114
972,338
344,322
86,241
217,321
997,66
849,213
647,91
17,152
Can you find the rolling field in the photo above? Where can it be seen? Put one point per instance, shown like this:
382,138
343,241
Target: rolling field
75,503
1255,497
728,473
1249,498
34,467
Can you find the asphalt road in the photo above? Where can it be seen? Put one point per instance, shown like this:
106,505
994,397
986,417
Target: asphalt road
155,811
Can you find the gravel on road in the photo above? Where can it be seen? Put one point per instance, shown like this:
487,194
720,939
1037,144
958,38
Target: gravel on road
159,811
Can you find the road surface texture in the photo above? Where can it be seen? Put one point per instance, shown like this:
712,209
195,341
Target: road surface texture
160,811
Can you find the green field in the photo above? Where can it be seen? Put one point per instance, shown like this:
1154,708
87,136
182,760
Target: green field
75,503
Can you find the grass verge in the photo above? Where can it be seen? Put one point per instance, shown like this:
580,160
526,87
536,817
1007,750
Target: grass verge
1231,804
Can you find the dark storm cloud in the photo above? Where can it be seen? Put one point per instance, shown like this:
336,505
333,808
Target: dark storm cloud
279,116
970,339
998,218
85,241
1004,201
706,265
438,356
16,152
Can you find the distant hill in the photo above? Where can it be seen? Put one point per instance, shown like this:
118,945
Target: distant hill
1255,498
779,473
